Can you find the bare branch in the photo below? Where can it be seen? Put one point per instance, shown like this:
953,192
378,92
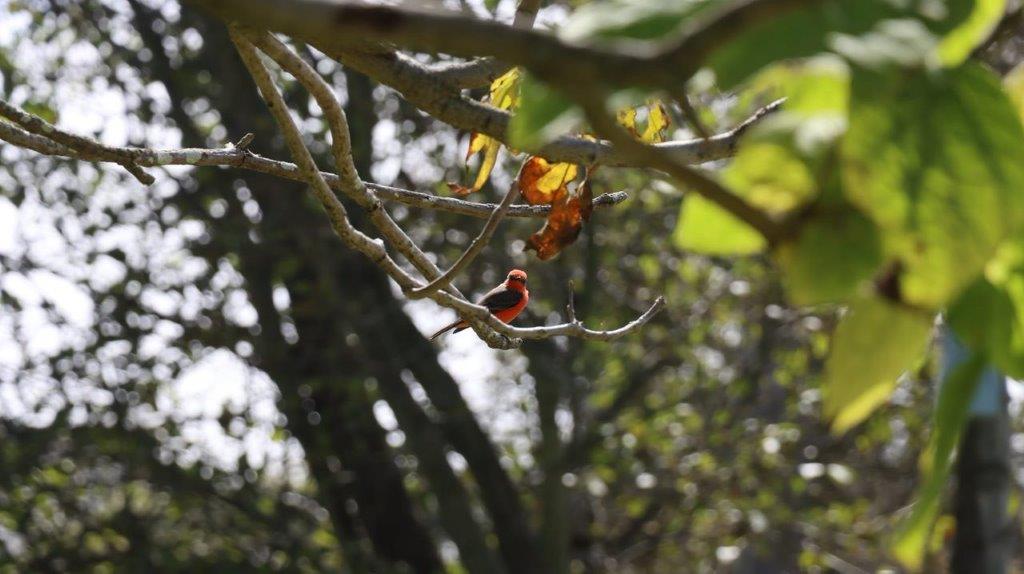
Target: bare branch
578,330
417,84
238,158
474,248
85,147
336,212
475,209
21,138
244,141
341,146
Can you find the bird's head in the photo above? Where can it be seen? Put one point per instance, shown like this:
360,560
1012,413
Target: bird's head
517,276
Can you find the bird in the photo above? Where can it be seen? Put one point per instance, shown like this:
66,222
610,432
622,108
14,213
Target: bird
505,302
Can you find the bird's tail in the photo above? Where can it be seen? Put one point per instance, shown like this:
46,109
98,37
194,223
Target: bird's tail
457,325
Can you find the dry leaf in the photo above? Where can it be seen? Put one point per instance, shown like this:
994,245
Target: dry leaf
541,182
569,211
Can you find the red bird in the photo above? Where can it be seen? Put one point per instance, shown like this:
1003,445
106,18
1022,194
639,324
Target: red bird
505,301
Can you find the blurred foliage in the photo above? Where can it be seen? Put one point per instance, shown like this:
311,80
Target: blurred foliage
702,443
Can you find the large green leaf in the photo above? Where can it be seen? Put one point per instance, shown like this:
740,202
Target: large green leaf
832,259
935,160
950,415
875,342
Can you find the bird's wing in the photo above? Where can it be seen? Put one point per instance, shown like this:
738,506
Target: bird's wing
500,298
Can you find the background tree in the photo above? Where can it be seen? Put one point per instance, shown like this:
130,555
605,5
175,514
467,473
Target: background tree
694,442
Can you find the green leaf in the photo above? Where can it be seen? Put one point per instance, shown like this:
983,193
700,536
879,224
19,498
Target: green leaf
706,228
989,316
934,161
543,115
834,255
812,87
876,341
636,19
885,31
822,26
41,109
950,415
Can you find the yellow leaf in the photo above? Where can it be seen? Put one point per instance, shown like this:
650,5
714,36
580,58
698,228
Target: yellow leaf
477,141
505,90
657,122
504,94
627,119
490,158
654,128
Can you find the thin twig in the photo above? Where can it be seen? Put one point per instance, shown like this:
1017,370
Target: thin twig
244,141
691,115
474,248
570,307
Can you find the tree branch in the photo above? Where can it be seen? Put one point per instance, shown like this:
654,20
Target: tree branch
238,157
631,64
494,332
341,147
85,147
423,87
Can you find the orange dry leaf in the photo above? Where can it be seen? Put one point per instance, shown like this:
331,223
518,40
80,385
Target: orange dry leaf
541,182
544,183
568,213
503,95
